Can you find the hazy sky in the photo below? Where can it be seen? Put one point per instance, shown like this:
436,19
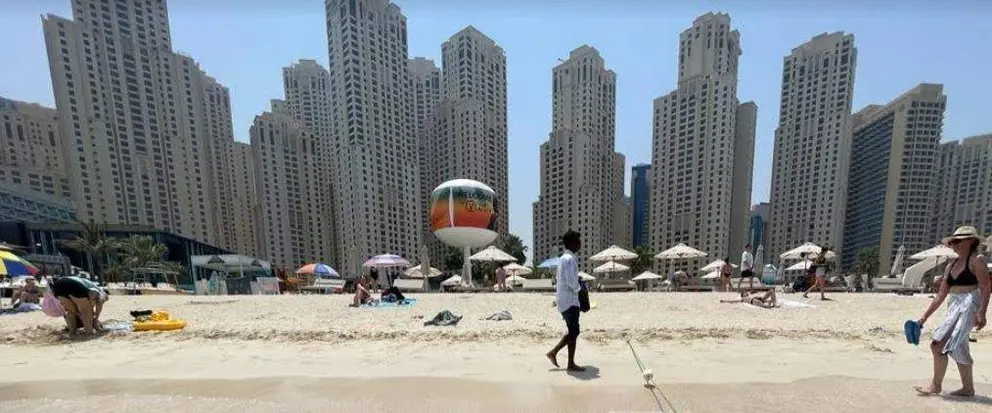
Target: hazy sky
245,43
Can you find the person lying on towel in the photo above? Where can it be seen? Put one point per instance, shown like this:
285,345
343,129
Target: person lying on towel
757,299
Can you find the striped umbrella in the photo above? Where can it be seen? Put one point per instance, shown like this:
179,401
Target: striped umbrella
14,266
386,261
318,269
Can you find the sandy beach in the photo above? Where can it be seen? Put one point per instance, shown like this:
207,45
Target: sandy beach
313,353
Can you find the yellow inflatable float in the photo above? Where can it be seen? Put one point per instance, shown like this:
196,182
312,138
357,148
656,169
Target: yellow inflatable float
159,321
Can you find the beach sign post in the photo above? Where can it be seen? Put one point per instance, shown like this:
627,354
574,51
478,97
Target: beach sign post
463,215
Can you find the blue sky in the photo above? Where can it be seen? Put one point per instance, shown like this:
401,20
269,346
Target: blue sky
244,44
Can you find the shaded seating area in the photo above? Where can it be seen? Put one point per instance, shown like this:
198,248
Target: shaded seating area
410,284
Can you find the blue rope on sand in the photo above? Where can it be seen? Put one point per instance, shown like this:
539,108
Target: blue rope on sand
648,376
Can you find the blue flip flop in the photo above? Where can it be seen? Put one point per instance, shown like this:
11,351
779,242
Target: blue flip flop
913,331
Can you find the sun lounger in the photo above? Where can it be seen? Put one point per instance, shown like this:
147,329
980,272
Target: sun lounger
616,285
410,284
540,284
324,286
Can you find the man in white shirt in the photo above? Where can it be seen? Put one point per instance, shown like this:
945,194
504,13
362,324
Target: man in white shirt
747,268
567,289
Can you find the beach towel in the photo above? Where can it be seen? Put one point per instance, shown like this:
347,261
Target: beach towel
913,331
391,304
795,304
501,315
444,318
957,325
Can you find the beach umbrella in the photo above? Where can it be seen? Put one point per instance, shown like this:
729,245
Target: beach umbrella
586,277
759,257
610,267
515,279
515,269
647,275
711,276
549,263
613,253
680,251
452,281
938,251
418,272
807,250
13,266
800,266
319,269
897,262
715,265
492,254
386,261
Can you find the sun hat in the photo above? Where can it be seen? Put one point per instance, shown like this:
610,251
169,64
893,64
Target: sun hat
965,232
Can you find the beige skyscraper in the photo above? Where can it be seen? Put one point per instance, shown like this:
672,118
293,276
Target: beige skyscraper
288,186
893,173
813,144
132,116
963,193
466,138
308,90
703,147
425,82
31,157
581,175
244,213
377,186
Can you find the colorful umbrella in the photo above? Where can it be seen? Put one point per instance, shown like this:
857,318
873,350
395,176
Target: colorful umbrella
14,266
319,269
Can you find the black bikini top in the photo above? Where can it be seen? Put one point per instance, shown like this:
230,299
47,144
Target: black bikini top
965,277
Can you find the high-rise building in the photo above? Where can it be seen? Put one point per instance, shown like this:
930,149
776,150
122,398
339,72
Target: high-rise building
244,209
308,90
466,137
963,194
640,193
581,175
425,82
377,186
759,221
893,176
813,144
32,156
288,187
132,115
704,138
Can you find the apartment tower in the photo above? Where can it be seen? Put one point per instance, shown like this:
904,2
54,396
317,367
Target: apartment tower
32,157
893,176
244,212
377,186
640,193
813,145
703,148
425,84
133,118
581,175
466,137
963,194
308,100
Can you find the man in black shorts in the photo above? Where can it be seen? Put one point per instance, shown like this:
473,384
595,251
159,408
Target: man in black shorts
82,300
747,268
567,290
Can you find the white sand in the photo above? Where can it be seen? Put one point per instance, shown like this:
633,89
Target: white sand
313,353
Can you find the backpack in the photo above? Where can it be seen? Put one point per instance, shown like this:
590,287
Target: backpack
583,297
51,305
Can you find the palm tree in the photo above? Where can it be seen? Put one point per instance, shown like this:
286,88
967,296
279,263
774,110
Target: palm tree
143,252
513,245
867,263
95,244
644,260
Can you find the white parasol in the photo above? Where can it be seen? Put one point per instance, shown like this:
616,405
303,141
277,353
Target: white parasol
418,272
586,277
492,254
613,253
515,269
610,267
715,265
711,276
800,266
647,275
937,251
680,251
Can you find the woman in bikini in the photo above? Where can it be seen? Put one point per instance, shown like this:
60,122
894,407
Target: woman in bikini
966,286
726,271
766,300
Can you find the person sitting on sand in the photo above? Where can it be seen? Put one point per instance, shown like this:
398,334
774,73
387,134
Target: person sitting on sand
82,300
27,295
757,299
362,295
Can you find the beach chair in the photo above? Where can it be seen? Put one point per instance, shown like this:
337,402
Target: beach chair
616,285
540,284
410,284
324,286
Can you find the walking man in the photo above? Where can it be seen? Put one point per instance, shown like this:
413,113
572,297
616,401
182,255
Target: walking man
747,268
567,295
